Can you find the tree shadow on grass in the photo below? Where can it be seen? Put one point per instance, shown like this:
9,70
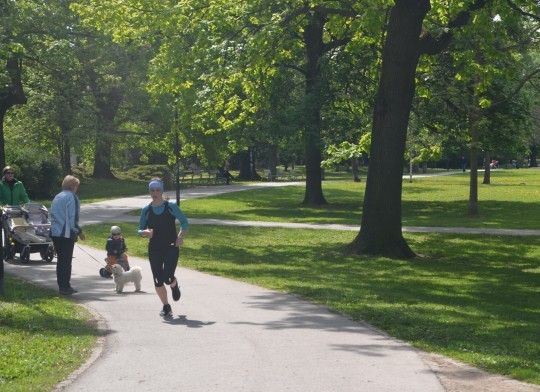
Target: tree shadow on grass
471,292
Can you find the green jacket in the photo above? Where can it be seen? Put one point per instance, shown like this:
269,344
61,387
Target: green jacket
13,197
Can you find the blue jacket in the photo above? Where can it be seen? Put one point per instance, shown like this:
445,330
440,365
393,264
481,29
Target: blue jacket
65,210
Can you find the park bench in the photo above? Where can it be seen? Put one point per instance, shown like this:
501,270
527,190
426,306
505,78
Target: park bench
280,175
214,176
198,176
296,175
186,177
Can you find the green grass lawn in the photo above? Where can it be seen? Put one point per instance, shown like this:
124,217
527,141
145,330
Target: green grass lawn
43,337
509,202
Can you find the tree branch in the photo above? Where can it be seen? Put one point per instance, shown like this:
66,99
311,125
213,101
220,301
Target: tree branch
518,88
334,11
434,45
512,5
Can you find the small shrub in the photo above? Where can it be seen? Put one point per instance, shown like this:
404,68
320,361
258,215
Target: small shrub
146,172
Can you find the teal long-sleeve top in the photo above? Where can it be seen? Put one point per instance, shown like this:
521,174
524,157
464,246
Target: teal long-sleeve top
174,209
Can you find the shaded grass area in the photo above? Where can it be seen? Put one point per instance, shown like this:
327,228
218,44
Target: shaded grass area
434,201
43,338
473,298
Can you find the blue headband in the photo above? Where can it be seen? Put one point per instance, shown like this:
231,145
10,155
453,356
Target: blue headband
156,184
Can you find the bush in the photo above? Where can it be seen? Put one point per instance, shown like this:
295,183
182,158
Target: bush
41,175
146,172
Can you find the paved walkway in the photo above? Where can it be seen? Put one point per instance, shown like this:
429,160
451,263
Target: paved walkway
225,335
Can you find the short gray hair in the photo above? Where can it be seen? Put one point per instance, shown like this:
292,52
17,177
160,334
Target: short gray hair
69,181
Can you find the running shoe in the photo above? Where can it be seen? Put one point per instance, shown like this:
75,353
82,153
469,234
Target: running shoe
166,311
176,291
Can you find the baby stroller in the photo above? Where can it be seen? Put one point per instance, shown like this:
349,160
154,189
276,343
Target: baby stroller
26,230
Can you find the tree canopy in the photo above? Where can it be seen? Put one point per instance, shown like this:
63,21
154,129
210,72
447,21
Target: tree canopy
274,83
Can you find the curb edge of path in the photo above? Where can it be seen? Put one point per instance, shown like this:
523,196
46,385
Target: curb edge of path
97,349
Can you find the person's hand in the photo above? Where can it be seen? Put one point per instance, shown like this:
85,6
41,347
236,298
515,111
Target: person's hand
149,233
82,236
179,241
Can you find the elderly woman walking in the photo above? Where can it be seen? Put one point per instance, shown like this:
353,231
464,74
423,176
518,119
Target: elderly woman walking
65,230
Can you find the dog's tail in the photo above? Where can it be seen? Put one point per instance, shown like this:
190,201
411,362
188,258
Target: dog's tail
136,271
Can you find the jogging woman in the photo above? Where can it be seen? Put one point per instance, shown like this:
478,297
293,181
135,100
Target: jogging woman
158,223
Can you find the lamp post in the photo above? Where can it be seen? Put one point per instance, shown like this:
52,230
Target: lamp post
177,154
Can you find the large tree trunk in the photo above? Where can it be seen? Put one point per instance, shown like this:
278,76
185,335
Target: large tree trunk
313,37
247,166
107,104
380,232
272,158
10,95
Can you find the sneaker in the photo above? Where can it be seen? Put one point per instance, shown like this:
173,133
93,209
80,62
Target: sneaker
176,291
166,311
67,291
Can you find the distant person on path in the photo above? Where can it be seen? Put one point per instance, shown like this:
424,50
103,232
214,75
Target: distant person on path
116,252
65,229
12,191
224,171
463,164
158,223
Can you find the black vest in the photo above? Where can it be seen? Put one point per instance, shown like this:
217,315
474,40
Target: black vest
164,226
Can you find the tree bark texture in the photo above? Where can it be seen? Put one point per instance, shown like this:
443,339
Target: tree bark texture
313,38
10,95
473,178
107,104
247,166
380,231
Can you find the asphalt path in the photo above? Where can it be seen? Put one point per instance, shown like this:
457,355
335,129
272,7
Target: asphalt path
225,335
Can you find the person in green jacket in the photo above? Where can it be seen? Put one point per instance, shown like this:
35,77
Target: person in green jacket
12,191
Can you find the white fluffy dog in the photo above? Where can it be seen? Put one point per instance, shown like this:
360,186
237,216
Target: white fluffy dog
122,277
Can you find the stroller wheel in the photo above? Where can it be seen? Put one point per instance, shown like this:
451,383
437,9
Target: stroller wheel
47,255
25,255
8,253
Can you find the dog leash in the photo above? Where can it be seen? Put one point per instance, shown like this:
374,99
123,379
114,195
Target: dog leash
97,261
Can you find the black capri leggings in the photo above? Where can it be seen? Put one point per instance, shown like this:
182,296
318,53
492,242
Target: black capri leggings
163,262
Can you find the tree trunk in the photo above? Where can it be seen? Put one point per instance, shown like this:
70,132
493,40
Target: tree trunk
487,168
532,158
272,158
244,164
380,232
108,100
65,147
473,179
247,167
355,170
103,151
10,95
313,37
